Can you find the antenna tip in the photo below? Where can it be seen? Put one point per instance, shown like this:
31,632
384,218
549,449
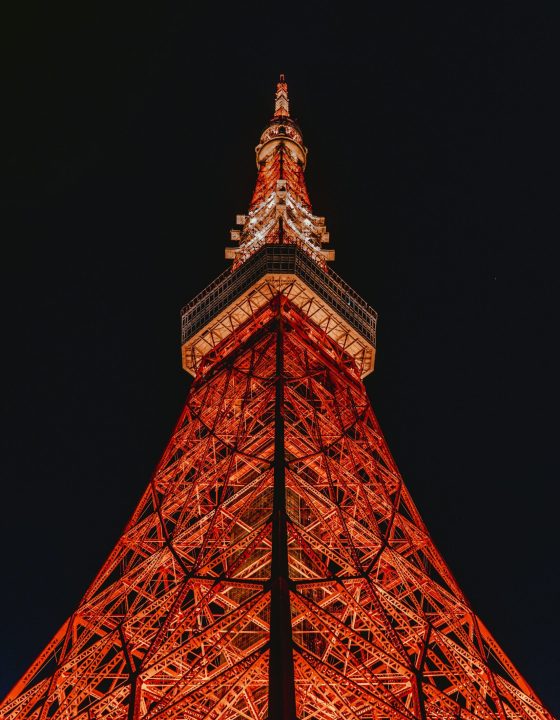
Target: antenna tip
282,104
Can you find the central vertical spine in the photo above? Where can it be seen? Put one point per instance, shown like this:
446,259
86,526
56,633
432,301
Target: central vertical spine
281,686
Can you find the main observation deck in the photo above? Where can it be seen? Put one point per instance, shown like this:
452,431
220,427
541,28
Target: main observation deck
235,295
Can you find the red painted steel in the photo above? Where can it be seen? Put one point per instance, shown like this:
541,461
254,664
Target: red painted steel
275,567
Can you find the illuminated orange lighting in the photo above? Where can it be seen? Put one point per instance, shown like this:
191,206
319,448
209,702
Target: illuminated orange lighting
276,566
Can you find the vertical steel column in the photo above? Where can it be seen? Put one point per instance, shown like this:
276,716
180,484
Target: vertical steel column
281,685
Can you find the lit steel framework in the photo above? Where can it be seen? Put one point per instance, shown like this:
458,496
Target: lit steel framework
276,566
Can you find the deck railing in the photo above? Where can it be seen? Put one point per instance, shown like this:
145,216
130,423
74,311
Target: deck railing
278,259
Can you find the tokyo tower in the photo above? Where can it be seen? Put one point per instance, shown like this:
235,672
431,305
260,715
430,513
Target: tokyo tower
276,567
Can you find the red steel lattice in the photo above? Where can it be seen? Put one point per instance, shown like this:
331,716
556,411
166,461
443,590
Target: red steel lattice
275,567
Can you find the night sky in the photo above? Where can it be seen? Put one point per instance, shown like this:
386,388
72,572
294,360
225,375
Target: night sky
130,150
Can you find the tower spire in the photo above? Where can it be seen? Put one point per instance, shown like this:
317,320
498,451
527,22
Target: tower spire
282,103
280,211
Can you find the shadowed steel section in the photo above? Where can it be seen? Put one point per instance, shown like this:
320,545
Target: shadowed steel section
278,259
281,685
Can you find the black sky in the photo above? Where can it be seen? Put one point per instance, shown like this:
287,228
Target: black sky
129,153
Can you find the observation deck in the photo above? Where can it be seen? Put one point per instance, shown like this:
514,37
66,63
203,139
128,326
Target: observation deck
235,295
